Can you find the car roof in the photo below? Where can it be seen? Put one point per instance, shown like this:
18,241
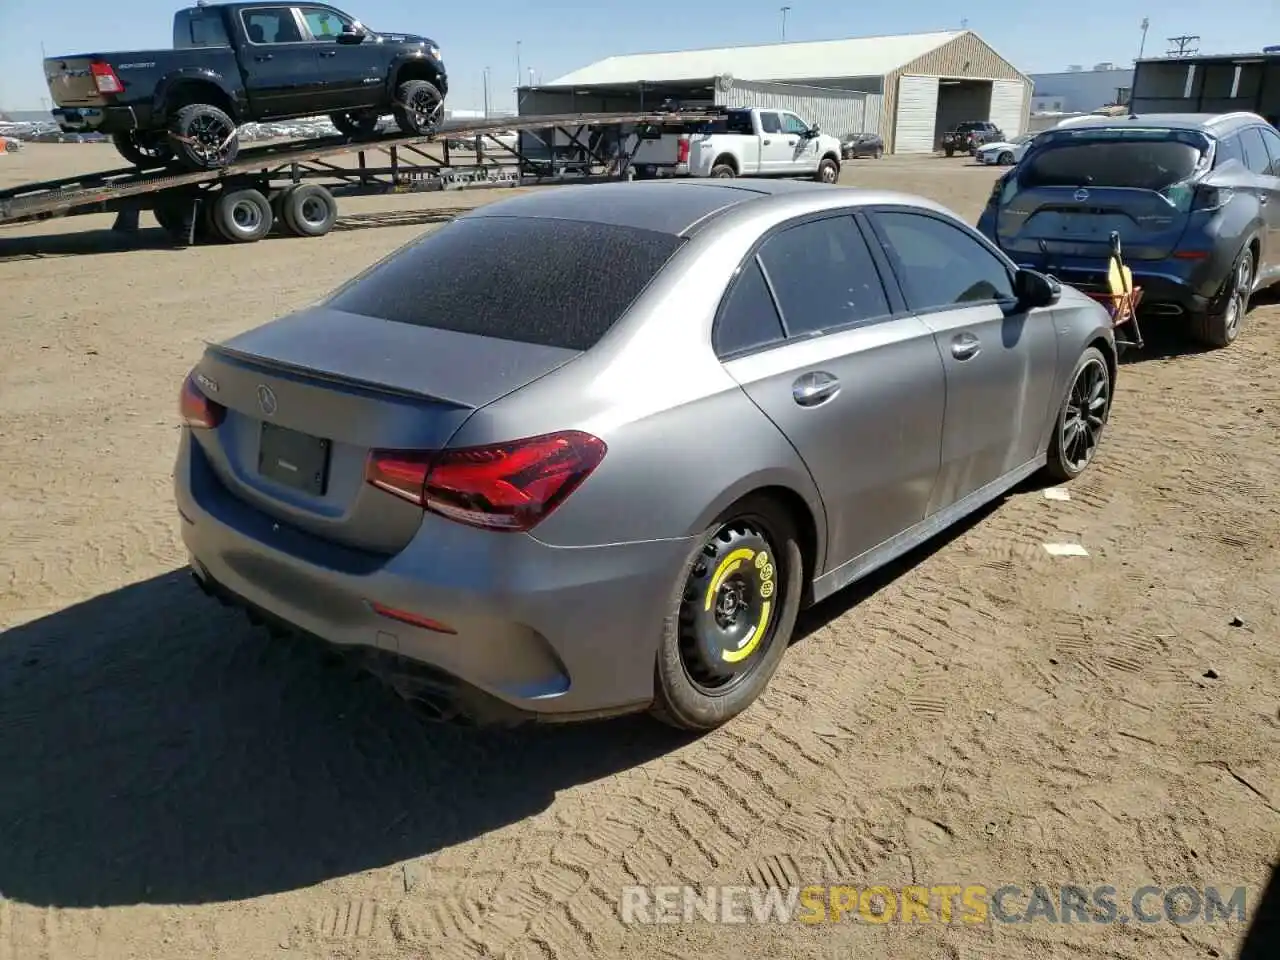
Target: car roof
674,207
1214,123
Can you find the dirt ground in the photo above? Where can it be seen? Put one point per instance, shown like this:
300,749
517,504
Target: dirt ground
174,784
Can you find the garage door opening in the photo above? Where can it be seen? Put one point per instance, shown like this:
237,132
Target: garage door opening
958,101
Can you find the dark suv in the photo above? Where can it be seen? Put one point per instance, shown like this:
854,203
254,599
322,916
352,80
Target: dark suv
1194,198
969,136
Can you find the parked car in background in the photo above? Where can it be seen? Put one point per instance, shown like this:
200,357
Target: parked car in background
1004,153
968,136
233,63
764,143
472,476
858,145
1195,199
10,144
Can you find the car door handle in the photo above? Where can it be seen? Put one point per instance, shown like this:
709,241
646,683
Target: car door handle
814,388
791,143
264,56
328,53
965,345
766,142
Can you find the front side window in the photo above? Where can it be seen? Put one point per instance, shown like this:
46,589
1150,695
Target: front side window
793,124
324,24
823,276
941,265
270,25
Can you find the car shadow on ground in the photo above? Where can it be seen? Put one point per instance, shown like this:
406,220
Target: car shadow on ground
1166,338
1262,941
157,749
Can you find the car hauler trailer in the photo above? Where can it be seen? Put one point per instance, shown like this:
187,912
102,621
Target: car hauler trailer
265,186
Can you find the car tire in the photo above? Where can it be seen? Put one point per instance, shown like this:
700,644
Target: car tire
879,152
175,214
204,137
1220,324
419,108
748,566
242,216
1005,159
308,210
1082,418
828,171
723,171
357,126
950,151
142,151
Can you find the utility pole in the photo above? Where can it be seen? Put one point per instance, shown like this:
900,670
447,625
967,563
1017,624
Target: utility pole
1182,46
784,22
519,73
486,93
1143,45
531,76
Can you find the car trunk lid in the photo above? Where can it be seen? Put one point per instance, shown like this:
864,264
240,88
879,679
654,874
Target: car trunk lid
1074,191
310,395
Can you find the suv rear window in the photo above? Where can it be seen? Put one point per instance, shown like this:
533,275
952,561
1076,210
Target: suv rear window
1140,159
555,283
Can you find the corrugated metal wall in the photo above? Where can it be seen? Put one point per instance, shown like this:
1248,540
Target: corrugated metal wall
837,112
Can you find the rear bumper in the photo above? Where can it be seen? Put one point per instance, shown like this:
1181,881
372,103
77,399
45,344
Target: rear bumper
106,120
540,631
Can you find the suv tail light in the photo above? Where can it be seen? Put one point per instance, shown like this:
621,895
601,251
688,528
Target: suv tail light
198,410
682,150
1208,198
506,486
105,79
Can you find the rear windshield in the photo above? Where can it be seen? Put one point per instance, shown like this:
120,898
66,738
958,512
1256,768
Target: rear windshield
1141,159
555,283
199,28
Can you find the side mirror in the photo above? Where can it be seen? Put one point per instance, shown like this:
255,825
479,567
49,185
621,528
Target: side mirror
1034,289
351,33
813,131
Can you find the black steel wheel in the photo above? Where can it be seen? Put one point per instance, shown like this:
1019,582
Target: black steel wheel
1082,419
732,617
419,108
143,149
204,137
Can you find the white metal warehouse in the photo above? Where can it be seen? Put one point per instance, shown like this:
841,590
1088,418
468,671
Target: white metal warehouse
910,89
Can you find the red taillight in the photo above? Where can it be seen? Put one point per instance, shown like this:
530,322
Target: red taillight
197,409
682,150
105,79
507,486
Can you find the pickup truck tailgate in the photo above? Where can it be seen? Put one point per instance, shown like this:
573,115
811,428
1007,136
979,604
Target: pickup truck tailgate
71,82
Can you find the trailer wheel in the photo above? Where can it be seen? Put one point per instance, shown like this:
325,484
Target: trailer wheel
308,210
142,150
242,216
419,108
204,137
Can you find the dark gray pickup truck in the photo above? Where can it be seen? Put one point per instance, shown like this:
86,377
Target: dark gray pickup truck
232,63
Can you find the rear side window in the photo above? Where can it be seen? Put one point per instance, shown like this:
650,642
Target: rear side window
1143,160
1255,151
1228,149
770,123
823,276
555,283
749,319
1272,140
199,28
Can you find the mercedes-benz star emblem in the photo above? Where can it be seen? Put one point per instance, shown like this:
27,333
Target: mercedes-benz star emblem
1082,195
266,399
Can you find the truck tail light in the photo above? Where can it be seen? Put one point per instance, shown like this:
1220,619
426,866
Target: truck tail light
505,486
682,150
105,79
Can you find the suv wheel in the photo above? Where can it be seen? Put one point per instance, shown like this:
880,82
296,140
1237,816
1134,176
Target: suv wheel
1220,325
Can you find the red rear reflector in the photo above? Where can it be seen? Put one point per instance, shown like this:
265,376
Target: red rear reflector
1190,254
404,616
197,409
682,150
507,486
105,79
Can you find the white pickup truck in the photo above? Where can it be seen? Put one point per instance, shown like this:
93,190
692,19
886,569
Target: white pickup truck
764,143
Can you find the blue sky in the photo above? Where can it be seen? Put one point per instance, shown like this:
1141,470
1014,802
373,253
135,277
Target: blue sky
555,38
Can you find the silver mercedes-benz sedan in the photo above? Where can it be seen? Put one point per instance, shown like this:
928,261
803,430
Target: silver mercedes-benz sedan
589,450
